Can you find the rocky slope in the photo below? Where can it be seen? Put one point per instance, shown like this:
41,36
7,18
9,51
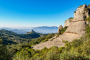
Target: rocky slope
75,30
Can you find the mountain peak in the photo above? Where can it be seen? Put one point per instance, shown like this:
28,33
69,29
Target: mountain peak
32,31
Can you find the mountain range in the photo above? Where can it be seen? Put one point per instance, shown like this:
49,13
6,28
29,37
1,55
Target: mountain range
42,29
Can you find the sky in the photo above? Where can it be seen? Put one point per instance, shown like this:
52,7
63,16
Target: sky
34,13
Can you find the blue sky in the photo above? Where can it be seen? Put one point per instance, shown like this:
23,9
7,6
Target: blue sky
34,13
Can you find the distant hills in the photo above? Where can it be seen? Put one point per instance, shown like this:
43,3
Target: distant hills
18,31
46,29
14,38
42,29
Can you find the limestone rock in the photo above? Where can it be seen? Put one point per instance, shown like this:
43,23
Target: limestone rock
77,27
81,14
67,22
75,30
59,29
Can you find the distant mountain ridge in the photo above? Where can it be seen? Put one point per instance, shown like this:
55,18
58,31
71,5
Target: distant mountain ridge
41,29
46,29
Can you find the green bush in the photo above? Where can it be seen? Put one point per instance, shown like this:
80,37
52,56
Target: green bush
88,29
64,41
76,42
88,19
72,56
74,11
63,30
61,49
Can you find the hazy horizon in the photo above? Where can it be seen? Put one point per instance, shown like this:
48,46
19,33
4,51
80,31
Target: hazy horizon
26,27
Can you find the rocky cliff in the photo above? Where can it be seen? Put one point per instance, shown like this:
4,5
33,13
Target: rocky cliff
68,21
75,30
77,27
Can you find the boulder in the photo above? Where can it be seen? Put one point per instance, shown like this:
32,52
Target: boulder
59,29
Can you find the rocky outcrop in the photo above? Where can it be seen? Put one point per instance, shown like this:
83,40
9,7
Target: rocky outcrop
67,22
59,29
75,30
78,25
32,31
81,13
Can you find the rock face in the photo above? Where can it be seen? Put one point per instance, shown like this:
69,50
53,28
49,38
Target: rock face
59,29
67,22
81,14
75,30
77,27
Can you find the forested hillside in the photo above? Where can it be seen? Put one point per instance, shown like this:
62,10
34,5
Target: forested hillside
10,37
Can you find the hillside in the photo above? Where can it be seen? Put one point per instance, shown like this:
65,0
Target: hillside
10,37
75,30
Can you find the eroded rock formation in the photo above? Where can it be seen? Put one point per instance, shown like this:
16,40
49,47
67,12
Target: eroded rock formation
67,22
77,27
75,30
59,29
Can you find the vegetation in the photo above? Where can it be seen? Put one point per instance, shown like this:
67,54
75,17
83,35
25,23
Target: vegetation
88,19
71,18
80,6
88,6
4,54
74,11
64,41
41,39
10,37
78,49
63,30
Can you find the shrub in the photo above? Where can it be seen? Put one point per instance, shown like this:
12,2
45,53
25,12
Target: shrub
74,11
80,6
76,42
72,56
52,55
61,49
63,30
64,41
88,29
88,19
